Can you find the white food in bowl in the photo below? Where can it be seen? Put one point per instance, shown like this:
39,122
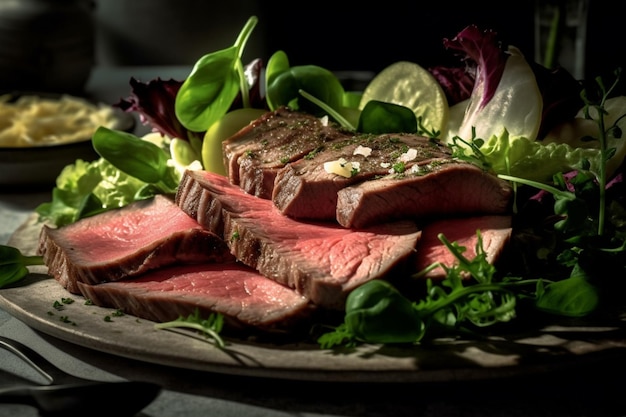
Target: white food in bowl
32,120
51,132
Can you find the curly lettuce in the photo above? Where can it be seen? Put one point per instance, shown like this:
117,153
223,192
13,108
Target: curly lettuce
84,189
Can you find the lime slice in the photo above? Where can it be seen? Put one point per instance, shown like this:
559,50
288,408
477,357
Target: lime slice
228,125
409,85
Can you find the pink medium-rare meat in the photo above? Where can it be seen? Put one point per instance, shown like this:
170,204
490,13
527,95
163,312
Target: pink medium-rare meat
443,188
495,232
303,189
241,294
255,153
128,241
322,261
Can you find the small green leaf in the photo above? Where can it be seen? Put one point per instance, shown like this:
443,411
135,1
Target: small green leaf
130,154
283,89
573,296
378,117
208,92
13,264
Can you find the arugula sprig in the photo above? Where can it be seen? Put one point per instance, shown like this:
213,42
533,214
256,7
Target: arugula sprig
210,326
471,295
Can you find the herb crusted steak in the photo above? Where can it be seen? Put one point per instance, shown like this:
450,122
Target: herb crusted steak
322,261
282,156
129,241
437,189
303,189
255,154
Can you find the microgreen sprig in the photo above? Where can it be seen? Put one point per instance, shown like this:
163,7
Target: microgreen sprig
211,326
603,133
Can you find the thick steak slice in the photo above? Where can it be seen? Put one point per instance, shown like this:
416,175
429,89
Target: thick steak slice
495,232
322,261
305,190
240,293
127,241
442,188
254,154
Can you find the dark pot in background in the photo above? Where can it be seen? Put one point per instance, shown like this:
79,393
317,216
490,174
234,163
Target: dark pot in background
46,45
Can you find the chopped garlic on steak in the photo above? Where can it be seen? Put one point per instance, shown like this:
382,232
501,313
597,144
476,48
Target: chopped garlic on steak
385,164
416,169
342,167
362,150
409,155
324,120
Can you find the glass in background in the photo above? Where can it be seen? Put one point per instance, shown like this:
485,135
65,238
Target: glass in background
561,34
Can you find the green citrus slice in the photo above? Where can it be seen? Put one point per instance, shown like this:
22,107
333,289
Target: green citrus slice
410,85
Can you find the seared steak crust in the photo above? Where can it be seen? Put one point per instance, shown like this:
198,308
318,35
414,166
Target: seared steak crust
304,190
282,156
322,261
439,188
126,242
254,154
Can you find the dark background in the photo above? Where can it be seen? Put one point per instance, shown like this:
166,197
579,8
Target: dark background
340,36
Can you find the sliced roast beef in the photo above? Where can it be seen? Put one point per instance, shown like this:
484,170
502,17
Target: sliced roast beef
320,260
440,188
241,294
254,154
128,241
495,233
305,189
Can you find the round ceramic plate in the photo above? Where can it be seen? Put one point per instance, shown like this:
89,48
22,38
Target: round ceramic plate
41,303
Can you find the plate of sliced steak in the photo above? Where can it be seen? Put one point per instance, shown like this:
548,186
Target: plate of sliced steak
320,260
129,241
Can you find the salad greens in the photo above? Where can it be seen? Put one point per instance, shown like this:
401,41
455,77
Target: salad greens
564,157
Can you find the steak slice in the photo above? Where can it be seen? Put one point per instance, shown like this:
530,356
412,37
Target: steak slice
495,232
254,154
127,241
322,261
305,190
441,188
241,294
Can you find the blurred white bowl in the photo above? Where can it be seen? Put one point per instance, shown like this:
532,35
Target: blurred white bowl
27,167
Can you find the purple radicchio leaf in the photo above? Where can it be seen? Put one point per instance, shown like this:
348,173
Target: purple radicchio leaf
154,102
482,50
457,82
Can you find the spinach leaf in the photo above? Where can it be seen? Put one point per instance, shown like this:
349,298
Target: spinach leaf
378,117
13,264
285,84
138,158
214,82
